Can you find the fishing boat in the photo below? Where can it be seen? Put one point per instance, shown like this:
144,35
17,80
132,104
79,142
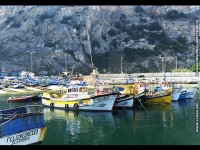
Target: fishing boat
104,102
23,98
22,125
190,93
125,101
176,92
158,97
140,99
182,95
17,86
70,97
129,96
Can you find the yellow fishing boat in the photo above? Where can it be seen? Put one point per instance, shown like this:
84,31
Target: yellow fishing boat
70,98
76,97
159,97
58,101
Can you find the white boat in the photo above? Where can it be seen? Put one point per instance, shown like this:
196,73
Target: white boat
17,86
123,101
103,102
190,93
22,125
176,92
67,98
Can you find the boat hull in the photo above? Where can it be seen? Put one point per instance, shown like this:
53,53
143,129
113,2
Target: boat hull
176,94
190,94
28,137
139,99
159,98
22,125
182,95
127,102
97,103
22,99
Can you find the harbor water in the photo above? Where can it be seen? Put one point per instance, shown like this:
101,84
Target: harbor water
169,124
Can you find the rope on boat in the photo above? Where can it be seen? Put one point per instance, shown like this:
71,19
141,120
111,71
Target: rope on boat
164,96
140,102
8,120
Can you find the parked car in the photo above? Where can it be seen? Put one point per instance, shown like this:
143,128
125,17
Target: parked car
141,76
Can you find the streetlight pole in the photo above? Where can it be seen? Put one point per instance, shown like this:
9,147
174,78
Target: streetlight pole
163,67
142,67
176,64
121,64
72,70
31,59
65,62
162,63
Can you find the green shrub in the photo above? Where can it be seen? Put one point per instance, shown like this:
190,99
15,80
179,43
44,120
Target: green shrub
131,53
49,44
66,20
174,14
112,32
46,16
142,27
16,25
143,20
101,60
95,43
154,26
139,9
9,20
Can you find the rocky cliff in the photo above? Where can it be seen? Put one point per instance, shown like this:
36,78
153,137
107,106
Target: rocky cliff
78,37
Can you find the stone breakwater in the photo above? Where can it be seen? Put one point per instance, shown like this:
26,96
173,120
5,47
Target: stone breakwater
177,77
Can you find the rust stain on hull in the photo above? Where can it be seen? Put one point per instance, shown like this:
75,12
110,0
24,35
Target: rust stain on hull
42,133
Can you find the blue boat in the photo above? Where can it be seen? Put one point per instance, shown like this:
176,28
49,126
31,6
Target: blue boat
22,125
182,95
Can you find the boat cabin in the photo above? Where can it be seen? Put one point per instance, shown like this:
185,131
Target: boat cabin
78,91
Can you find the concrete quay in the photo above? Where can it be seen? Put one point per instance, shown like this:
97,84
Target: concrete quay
177,77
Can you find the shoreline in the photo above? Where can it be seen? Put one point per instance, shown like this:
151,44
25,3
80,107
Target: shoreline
15,91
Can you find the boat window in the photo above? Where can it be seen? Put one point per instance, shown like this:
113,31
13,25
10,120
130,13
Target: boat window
80,89
69,90
120,88
86,89
75,90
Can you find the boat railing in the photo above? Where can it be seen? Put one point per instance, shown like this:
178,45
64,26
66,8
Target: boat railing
20,111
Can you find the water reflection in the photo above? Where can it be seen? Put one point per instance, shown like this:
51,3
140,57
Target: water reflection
164,112
79,126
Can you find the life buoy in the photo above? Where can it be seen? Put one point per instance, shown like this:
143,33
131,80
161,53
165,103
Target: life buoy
66,105
51,105
76,105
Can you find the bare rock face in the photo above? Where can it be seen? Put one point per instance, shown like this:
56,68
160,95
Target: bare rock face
100,35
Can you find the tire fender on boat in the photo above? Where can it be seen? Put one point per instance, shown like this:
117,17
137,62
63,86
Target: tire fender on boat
76,105
51,105
66,105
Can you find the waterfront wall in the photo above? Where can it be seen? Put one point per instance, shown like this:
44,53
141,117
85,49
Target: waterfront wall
177,76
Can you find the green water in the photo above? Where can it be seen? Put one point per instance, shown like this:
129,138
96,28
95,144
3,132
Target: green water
173,124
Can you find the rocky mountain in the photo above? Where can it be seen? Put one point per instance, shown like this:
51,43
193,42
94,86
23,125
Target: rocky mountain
78,37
